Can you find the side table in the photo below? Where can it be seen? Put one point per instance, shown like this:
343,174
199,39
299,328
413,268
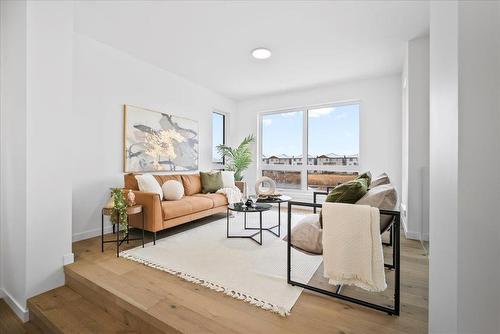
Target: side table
131,210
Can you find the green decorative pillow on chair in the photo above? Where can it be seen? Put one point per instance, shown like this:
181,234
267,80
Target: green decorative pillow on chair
348,192
367,176
211,182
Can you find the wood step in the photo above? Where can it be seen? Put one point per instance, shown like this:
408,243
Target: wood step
62,310
116,304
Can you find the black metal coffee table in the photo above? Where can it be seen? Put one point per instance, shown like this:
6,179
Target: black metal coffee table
276,200
258,208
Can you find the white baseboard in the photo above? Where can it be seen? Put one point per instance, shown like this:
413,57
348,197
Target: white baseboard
410,234
68,259
21,312
91,233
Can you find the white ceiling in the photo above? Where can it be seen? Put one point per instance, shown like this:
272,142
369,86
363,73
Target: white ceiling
313,42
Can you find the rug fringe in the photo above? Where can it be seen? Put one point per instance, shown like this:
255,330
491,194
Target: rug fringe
231,293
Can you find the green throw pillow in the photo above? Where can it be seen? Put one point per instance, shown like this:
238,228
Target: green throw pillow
348,192
210,182
367,176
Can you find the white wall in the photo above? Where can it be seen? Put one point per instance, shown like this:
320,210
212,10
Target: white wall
443,178
50,40
104,80
464,270
415,141
13,154
36,176
479,199
380,120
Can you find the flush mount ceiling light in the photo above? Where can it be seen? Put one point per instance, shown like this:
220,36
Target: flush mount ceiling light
261,53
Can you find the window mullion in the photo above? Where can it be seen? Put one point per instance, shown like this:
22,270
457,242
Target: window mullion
305,135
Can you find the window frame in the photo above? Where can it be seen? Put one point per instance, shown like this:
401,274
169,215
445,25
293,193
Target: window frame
225,117
305,167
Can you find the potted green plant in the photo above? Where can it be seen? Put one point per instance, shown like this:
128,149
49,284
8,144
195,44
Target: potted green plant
120,206
237,159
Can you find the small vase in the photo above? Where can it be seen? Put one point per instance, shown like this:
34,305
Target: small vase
110,203
130,198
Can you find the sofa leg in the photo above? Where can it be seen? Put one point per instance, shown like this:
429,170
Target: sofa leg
154,238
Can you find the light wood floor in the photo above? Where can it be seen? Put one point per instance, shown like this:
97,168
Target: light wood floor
192,308
11,324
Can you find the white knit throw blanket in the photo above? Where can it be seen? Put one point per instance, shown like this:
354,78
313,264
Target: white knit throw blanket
352,246
233,194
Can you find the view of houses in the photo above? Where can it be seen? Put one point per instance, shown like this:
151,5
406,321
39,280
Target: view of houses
315,178
330,159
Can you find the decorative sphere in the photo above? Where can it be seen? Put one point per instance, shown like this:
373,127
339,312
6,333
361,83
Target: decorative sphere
172,190
271,186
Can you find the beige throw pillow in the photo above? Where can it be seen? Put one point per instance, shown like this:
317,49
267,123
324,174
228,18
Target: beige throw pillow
383,197
307,234
380,180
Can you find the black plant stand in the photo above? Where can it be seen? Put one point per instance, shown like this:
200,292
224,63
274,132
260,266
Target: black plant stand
131,210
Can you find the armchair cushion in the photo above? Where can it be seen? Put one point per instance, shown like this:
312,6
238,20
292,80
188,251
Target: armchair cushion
382,197
379,180
307,235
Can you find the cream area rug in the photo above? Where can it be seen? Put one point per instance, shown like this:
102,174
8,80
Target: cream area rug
239,268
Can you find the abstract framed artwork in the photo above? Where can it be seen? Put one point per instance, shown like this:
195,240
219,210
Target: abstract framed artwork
158,142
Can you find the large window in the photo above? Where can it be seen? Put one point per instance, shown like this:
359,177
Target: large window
310,147
218,135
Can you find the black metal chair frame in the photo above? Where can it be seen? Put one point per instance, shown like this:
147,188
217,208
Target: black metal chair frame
325,193
394,227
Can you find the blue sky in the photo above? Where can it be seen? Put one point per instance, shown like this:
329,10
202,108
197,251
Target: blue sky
217,134
331,130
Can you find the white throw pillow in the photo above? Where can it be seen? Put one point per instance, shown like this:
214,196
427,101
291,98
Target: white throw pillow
148,184
172,190
227,179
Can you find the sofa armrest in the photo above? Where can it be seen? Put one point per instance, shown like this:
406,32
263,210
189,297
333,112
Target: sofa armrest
151,208
242,186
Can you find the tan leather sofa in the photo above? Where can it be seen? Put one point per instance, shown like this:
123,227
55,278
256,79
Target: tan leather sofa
160,215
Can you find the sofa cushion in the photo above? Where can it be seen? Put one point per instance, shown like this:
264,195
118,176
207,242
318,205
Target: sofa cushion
185,206
210,182
383,197
164,178
130,182
217,199
191,183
